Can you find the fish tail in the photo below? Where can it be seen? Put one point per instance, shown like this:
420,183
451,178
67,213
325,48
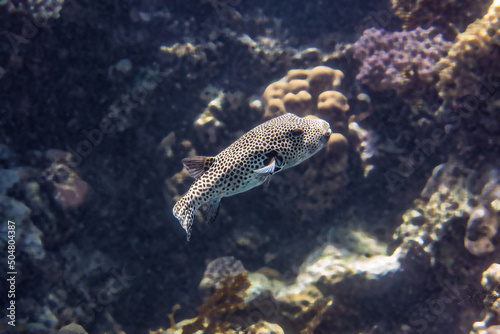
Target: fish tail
184,210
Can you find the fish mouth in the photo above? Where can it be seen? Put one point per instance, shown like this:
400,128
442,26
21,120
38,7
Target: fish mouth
328,131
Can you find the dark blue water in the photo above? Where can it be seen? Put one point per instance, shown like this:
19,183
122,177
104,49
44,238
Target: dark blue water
388,225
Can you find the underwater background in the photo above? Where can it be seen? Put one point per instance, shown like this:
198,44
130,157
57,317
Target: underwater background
391,228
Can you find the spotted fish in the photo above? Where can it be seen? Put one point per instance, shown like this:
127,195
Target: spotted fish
271,147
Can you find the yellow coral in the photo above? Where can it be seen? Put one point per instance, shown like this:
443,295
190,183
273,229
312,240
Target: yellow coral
416,13
308,92
473,54
312,93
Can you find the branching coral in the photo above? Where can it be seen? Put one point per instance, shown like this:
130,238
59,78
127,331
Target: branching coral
227,299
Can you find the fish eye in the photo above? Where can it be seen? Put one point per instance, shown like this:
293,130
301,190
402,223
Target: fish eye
296,132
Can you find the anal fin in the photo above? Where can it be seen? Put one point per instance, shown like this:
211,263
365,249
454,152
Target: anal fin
210,210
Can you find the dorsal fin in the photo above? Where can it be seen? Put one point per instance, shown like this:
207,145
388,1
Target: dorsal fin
198,165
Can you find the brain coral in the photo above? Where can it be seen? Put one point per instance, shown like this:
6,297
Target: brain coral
474,54
399,60
308,92
416,13
311,93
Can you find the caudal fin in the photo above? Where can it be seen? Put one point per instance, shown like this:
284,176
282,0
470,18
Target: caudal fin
184,211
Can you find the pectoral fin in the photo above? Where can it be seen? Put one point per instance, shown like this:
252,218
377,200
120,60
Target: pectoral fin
267,169
198,165
210,210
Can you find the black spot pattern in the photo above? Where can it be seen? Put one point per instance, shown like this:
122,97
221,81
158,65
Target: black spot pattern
288,138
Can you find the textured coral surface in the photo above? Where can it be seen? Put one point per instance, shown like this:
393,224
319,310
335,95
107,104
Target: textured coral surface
399,60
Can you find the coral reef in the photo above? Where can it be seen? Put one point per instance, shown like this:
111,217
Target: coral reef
70,190
365,146
348,269
484,220
132,87
399,61
244,303
28,236
264,327
228,111
443,13
351,268
72,329
491,283
449,201
219,269
221,304
312,93
40,10
308,92
303,92
470,67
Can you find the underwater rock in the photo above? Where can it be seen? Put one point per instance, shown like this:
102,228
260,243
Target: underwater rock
250,300
120,70
70,190
41,10
366,146
167,144
491,283
484,220
72,329
208,128
438,13
470,66
455,204
331,267
481,228
28,236
219,269
399,61
218,308
329,283
6,158
8,177
446,200
192,54
228,111
264,327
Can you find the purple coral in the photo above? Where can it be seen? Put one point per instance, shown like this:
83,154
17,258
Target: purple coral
398,60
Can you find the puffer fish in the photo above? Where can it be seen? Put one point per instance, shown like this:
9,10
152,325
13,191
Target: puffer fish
269,148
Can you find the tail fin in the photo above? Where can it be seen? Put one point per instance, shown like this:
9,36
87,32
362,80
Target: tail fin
184,210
